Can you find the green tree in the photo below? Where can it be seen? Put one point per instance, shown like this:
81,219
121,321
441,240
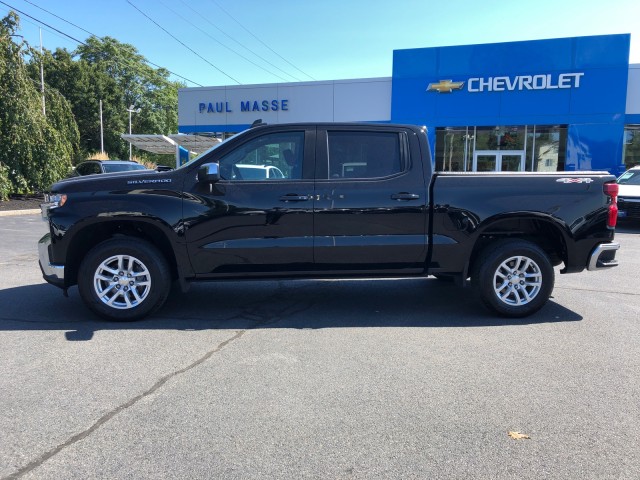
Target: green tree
137,84
105,69
35,149
83,85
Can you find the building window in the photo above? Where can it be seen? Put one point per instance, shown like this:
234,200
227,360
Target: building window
514,148
631,148
454,149
500,138
548,148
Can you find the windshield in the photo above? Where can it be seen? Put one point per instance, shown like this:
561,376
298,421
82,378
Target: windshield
207,152
122,167
630,177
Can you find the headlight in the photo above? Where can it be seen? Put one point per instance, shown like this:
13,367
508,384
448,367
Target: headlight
52,201
55,200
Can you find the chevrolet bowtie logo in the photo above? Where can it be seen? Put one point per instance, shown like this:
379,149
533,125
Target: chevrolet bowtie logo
445,86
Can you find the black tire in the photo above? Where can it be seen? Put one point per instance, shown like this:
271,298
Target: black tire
513,278
139,283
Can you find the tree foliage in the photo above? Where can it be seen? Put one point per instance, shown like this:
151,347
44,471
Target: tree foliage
105,69
35,149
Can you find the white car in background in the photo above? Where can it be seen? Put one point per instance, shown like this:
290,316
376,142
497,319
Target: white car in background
629,194
258,172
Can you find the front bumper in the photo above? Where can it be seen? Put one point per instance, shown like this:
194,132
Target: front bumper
54,274
628,207
603,256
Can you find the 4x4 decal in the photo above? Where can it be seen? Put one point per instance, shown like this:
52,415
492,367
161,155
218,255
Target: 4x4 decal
574,180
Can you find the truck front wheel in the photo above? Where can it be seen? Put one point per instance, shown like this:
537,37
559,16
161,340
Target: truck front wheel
514,278
124,279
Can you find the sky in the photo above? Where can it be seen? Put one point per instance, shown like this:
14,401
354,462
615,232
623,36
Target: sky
230,42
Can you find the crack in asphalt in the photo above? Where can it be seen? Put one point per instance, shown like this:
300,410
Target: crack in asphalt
108,416
633,294
258,312
261,313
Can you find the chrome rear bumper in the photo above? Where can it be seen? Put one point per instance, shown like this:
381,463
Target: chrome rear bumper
603,256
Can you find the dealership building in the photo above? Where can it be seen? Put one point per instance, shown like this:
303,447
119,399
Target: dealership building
545,105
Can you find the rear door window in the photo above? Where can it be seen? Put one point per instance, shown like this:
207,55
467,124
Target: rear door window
364,154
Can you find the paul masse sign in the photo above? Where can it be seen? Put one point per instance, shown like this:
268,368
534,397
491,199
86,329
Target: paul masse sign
245,106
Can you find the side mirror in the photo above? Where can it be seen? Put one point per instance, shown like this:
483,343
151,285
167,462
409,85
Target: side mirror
209,173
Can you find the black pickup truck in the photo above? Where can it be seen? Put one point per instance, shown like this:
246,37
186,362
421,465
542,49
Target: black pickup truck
324,200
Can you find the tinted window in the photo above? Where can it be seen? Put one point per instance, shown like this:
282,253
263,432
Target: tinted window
271,156
364,154
122,167
88,168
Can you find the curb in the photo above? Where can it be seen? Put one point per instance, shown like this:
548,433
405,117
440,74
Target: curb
14,213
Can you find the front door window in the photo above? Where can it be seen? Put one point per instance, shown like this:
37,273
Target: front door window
276,156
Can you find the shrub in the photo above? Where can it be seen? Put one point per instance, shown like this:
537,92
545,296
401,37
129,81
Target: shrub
5,183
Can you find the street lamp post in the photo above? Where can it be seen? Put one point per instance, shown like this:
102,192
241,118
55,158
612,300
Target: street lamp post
131,110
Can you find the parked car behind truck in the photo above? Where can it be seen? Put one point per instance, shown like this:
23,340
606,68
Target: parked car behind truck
629,194
367,203
93,167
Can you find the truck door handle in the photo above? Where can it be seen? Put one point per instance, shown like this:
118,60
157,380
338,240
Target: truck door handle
405,196
292,197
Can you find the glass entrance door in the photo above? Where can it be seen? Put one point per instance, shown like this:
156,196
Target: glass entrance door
498,161
485,162
511,162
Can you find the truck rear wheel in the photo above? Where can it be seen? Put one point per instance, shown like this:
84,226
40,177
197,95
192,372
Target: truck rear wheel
513,278
124,279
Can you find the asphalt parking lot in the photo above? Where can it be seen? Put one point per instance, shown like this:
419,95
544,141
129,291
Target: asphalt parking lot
319,379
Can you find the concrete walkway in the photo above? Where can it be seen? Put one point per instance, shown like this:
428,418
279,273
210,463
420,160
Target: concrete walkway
12,213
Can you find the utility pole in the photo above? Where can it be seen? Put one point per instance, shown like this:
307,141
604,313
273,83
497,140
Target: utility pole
101,131
44,109
131,109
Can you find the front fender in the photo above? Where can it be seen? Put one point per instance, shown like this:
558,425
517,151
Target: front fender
88,219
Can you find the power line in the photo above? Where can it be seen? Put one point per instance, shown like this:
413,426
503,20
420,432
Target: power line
36,25
80,41
58,17
43,23
254,36
236,41
182,43
101,38
215,40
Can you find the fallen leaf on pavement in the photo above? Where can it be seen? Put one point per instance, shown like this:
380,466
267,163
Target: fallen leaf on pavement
518,436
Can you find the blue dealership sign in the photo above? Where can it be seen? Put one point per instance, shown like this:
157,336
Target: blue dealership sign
568,80
580,82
